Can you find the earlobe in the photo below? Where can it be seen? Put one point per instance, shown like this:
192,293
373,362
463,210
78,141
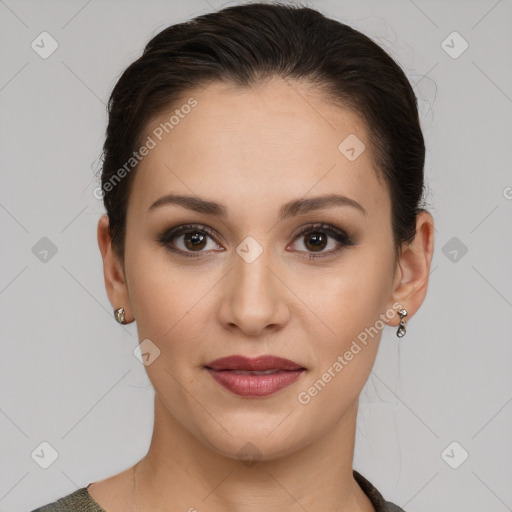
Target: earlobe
411,279
113,273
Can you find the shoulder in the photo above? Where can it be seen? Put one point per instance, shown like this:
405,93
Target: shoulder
77,501
378,501
391,507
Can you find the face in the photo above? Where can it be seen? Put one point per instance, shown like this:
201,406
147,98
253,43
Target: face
250,282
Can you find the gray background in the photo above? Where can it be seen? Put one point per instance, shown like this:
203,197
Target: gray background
67,372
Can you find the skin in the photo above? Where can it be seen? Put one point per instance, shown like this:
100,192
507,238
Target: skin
253,150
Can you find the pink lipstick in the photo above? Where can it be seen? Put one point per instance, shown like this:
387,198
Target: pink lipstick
257,377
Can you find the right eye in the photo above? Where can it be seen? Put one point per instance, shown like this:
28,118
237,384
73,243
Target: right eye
194,238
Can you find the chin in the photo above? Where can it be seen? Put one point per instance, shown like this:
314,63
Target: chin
251,445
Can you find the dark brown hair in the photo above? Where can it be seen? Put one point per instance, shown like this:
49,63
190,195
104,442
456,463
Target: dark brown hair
248,43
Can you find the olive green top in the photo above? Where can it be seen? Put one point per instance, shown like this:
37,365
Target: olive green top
81,500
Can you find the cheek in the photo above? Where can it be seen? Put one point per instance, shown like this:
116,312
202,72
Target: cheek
169,301
344,348
348,297
345,307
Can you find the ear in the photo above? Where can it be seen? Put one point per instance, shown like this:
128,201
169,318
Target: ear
113,271
413,268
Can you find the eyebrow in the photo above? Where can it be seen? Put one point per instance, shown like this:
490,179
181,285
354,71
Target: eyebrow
290,209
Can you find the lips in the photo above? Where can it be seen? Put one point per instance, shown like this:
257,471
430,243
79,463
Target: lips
258,364
259,377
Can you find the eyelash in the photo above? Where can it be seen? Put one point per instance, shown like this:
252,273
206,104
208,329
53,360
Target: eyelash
338,234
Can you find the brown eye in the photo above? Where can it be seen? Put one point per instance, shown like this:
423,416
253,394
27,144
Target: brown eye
194,241
315,241
189,239
318,237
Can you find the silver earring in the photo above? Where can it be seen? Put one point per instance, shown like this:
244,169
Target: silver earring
401,327
119,316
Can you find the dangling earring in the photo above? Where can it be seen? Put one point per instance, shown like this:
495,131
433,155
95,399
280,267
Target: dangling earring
401,327
119,315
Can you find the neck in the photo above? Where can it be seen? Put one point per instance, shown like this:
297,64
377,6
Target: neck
181,472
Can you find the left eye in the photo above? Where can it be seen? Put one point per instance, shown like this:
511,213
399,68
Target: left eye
316,239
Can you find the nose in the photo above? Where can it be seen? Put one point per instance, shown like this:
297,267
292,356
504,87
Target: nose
254,297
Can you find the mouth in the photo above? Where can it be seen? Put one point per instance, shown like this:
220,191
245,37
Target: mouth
259,377
257,364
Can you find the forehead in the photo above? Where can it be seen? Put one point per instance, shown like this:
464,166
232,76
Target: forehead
275,141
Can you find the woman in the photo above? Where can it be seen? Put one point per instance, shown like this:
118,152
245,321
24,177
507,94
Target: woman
263,182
